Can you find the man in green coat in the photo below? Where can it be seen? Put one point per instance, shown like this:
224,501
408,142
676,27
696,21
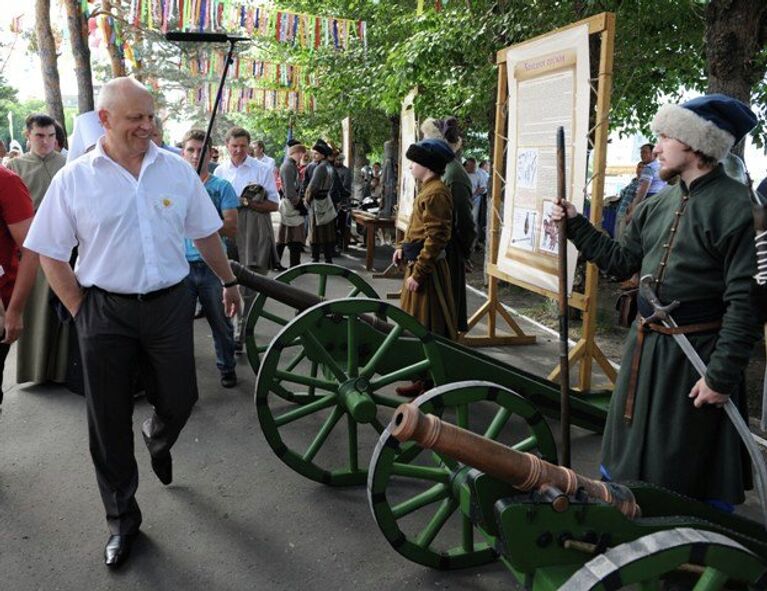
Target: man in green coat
666,425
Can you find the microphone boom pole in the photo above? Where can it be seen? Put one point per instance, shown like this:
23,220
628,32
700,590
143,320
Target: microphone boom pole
209,38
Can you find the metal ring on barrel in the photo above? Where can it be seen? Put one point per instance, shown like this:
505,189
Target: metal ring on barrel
429,489
348,361
259,310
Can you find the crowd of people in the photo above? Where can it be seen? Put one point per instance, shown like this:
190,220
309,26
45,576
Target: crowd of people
126,233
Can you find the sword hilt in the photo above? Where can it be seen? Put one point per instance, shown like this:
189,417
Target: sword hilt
660,312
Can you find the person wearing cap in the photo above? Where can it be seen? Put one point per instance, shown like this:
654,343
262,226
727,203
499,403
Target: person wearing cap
426,290
291,232
322,213
666,425
464,229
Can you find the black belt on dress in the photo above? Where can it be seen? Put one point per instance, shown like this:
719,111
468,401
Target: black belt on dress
411,250
141,297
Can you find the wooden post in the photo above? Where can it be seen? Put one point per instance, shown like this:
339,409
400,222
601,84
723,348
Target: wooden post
492,307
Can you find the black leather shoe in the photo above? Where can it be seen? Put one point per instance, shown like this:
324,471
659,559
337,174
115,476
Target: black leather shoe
163,468
118,549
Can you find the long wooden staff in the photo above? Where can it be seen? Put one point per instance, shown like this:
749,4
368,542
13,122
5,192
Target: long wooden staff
564,362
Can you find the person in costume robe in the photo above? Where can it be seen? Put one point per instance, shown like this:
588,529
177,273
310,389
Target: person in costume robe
464,229
426,292
43,347
291,233
666,424
322,212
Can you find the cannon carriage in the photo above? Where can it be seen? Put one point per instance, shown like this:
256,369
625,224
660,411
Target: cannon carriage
338,361
555,529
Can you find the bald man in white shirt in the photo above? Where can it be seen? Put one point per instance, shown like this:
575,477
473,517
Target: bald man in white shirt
128,206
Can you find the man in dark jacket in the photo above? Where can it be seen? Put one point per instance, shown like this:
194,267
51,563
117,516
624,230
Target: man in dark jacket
666,424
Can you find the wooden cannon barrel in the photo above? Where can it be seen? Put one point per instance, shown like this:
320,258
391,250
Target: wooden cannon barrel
522,470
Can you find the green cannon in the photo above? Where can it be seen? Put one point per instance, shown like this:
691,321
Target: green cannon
340,361
450,497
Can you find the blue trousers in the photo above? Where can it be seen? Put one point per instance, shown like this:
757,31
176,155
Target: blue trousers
202,283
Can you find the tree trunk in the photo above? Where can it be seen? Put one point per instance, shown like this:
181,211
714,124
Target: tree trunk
78,36
736,32
48,60
115,57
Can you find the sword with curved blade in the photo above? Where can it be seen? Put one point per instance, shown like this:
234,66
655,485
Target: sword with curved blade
662,314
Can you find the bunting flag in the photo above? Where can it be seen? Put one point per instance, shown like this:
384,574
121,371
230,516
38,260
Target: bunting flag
16,24
211,65
258,21
245,100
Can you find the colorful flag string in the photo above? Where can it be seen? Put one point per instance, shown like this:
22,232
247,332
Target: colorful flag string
245,100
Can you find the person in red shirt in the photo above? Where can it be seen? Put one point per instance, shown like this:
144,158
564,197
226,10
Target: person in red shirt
18,271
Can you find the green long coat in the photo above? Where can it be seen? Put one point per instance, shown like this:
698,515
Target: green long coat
669,442
464,233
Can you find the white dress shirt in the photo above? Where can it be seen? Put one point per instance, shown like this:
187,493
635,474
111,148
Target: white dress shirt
251,171
268,160
130,232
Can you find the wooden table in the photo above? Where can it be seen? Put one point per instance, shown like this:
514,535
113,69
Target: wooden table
371,224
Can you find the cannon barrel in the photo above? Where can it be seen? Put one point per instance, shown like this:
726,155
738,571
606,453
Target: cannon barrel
522,470
290,296
287,294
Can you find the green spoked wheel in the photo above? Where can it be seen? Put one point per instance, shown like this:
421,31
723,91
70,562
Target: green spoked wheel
267,315
683,558
414,493
343,370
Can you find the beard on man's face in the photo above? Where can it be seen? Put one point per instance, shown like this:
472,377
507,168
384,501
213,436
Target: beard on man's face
666,174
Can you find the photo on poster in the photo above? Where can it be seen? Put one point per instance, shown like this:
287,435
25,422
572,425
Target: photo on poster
524,228
549,240
527,169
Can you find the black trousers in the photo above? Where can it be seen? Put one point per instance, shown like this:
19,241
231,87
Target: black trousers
112,331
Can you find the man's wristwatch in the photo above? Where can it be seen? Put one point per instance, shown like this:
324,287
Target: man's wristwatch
231,283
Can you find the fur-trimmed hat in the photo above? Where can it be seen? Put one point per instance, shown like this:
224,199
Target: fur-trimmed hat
432,153
443,129
711,124
322,147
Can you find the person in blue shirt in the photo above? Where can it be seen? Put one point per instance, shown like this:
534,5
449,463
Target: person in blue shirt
201,281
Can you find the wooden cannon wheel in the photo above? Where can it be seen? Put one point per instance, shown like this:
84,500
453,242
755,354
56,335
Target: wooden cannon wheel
413,492
687,557
265,311
340,368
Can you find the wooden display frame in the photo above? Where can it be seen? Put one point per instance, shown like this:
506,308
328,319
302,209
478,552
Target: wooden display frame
585,350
